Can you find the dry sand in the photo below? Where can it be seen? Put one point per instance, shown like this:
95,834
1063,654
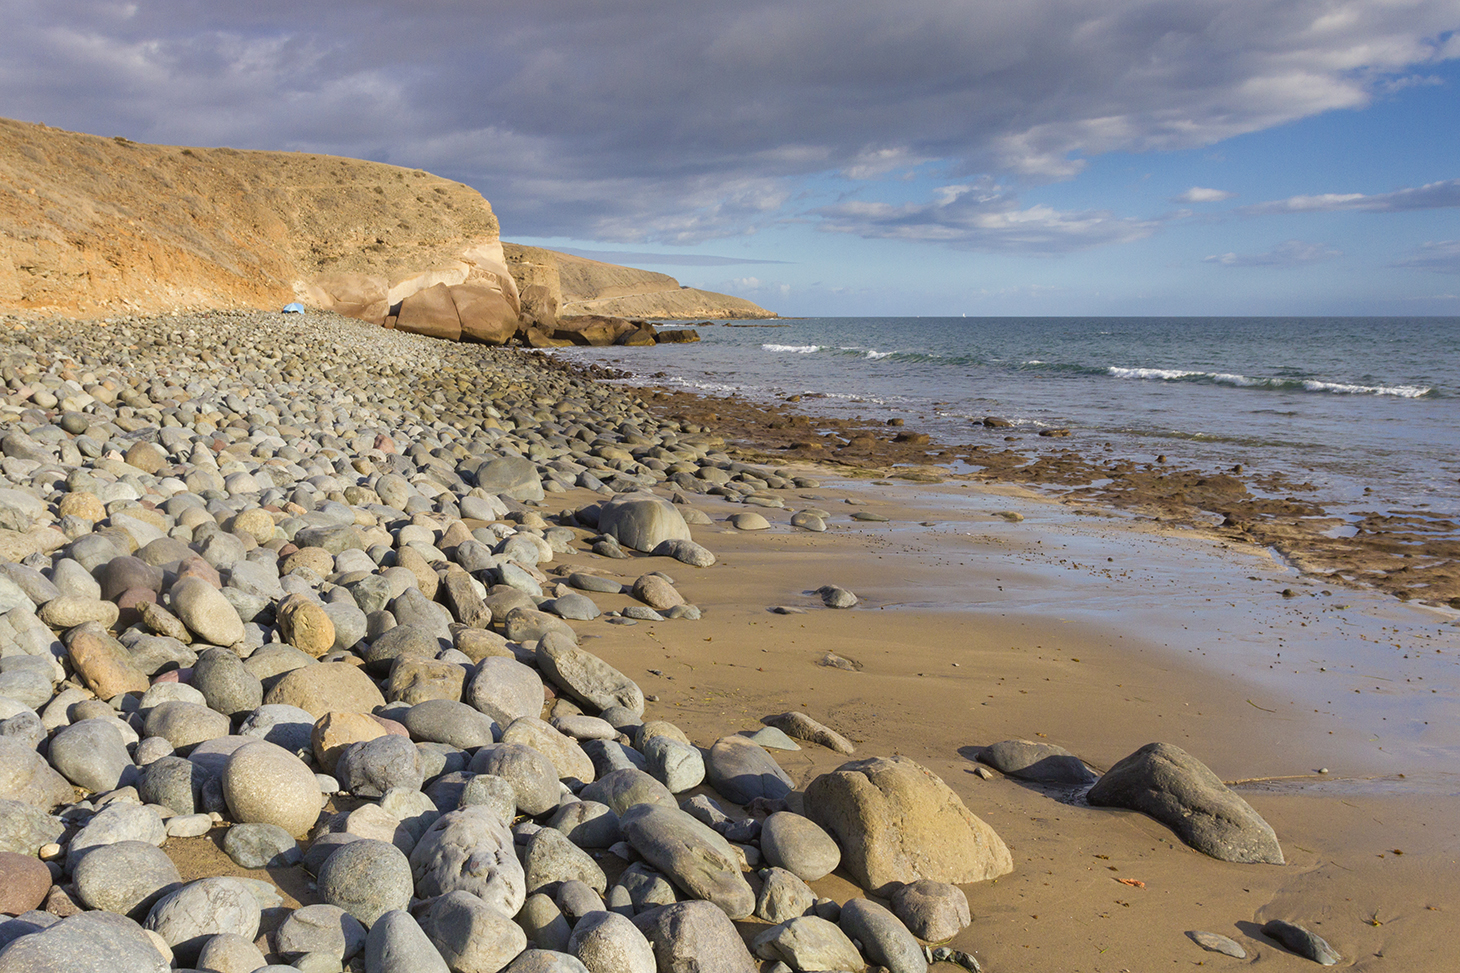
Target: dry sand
973,629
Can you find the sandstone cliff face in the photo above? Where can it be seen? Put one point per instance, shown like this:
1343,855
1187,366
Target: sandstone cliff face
90,225
574,286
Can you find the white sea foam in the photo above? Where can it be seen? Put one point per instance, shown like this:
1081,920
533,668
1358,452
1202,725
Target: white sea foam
794,349
874,355
1164,374
1340,388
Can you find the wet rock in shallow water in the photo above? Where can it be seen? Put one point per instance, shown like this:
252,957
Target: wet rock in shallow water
1178,790
1044,763
835,596
897,821
1306,944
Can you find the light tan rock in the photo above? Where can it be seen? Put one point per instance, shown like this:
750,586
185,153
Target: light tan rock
897,821
103,663
485,313
334,731
430,312
267,784
326,686
306,625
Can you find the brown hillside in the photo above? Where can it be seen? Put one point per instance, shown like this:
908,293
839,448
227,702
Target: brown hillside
90,225
581,286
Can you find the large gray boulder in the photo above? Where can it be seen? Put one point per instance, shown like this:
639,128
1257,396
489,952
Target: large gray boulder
694,937
511,476
809,943
470,850
692,856
126,878
366,878
26,777
585,677
606,942
471,935
896,821
90,942
532,775
92,755
505,689
186,918
397,944
885,940
1178,790
741,770
642,521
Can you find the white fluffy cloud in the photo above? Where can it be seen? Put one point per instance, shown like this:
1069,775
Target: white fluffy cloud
1197,194
682,120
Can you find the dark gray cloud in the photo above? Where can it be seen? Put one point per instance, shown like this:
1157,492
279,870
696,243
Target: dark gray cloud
1439,256
677,121
1290,253
973,217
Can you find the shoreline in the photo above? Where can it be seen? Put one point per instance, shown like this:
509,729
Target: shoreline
1406,554
1065,652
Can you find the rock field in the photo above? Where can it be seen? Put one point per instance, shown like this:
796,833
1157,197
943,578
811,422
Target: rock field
289,582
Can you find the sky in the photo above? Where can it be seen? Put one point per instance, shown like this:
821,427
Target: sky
847,157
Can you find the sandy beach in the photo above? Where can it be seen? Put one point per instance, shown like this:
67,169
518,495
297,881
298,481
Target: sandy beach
988,613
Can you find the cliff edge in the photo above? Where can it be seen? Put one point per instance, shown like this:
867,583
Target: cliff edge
91,225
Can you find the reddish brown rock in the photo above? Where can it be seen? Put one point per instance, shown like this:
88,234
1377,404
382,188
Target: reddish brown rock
24,883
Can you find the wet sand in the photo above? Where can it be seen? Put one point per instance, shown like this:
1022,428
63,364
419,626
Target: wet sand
973,629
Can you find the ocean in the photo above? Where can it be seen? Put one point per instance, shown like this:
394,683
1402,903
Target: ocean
1365,409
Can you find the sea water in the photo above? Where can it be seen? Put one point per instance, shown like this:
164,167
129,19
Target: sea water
1365,409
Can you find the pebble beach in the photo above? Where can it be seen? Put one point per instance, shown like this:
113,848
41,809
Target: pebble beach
329,647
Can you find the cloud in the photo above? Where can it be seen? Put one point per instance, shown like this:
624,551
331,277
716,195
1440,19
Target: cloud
1196,194
1435,195
1440,256
983,218
677,121
1291,253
